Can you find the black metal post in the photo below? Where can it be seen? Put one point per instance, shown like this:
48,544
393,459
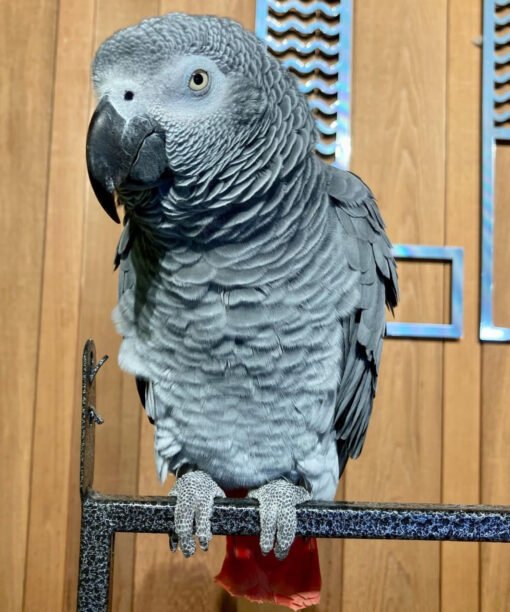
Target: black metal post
96,561
97,535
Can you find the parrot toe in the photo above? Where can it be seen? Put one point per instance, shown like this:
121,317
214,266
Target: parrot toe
278,519
195,493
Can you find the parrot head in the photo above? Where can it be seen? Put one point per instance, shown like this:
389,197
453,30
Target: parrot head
183,100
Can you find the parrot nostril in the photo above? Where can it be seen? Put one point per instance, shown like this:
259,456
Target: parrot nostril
129,95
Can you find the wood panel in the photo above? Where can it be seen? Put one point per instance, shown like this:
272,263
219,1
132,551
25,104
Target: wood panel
55,402
26,78
495,585
399,93
462,360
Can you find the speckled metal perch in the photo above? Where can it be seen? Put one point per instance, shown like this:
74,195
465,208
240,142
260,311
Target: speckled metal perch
104,515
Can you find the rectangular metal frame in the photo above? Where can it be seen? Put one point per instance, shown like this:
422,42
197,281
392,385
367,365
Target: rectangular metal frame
105,515
444,331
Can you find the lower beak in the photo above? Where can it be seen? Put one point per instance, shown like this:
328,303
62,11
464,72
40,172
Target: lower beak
121,153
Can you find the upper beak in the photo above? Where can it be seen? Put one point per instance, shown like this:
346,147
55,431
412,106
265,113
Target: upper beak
120,152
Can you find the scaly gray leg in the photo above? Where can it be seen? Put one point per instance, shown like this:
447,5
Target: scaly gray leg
195,493
277,501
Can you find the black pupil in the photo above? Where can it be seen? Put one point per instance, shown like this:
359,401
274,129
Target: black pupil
198,78
129,95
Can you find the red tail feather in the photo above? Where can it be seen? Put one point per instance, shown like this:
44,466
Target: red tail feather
294,582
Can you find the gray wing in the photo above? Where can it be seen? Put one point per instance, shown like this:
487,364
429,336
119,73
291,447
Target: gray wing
368,252
122,261
127,281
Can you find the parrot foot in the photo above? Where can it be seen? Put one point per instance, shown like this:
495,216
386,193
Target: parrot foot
195,492
278,519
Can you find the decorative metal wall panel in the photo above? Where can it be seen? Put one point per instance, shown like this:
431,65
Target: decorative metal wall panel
313,40
495,129
452,330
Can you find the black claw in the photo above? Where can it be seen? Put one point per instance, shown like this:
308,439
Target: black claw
173,541
204,545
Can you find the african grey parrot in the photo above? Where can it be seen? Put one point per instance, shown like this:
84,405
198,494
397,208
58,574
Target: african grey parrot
253,276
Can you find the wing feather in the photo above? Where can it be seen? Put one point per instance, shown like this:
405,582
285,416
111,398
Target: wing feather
368,251
127,282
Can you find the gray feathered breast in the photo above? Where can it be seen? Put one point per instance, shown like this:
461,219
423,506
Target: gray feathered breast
273,345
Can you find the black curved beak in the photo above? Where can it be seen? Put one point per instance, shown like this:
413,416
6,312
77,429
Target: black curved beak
120,153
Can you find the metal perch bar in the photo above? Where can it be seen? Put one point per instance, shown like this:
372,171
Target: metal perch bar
104,515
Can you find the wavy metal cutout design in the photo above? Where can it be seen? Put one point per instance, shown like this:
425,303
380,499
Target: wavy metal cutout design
312,65
304,8
316,40
304,48
502,21
298,26
495,129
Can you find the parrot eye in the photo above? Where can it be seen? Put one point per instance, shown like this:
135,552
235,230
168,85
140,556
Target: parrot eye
128,95
199,80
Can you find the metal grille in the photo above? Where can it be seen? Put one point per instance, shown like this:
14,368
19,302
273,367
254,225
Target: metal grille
495,131
313,40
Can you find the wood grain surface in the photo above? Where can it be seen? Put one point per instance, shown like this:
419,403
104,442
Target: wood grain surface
440,429
27,74
495,414
399,119
462,360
